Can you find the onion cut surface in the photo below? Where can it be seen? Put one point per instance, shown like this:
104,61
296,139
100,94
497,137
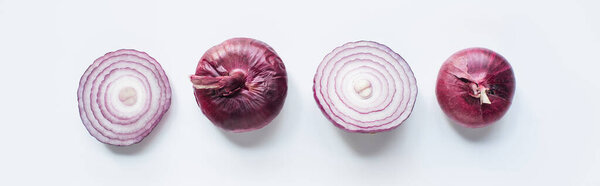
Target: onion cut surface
240,84
122,96
365,87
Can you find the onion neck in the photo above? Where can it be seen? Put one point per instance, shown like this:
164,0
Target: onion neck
223,85
479,91
484,98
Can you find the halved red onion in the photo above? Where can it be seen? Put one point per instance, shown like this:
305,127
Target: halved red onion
365,87
240,84
475,87
122,96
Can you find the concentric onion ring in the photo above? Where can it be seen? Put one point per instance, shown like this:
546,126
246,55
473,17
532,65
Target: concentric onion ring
122,96
365,87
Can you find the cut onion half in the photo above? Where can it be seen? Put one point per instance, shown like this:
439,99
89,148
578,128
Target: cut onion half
365,87
122,96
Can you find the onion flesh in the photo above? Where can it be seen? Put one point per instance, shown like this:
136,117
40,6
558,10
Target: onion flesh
240,84
365,87
475,87
122,96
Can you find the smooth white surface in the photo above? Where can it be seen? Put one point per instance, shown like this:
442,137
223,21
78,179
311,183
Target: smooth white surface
549,136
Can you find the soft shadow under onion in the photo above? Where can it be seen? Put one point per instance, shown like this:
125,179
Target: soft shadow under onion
255,137
474,134
371,144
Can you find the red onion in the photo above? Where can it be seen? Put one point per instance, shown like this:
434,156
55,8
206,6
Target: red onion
365,87
122,96
240,84
475,87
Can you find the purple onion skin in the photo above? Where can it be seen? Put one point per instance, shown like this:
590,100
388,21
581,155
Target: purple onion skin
247,84
465,73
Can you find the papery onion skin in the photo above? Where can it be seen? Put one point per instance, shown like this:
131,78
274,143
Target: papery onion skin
371,58
240,84
124,115
467,78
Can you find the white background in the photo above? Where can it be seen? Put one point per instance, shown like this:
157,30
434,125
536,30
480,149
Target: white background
550,136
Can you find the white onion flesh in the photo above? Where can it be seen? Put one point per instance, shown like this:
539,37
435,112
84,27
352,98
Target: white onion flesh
365,87
122,96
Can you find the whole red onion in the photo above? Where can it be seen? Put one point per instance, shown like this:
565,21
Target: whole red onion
475,87
240,84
